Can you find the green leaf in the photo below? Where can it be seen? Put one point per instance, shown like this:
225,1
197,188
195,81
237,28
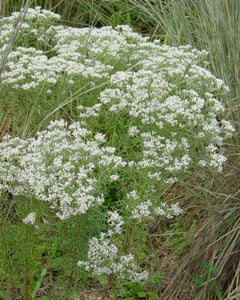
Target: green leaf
153,295
167,40
142,294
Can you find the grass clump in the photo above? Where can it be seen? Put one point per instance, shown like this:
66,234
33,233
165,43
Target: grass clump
116,128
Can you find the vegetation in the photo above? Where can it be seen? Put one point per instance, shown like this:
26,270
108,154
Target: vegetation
119,173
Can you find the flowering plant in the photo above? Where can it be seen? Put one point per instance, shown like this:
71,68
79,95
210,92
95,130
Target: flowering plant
149,113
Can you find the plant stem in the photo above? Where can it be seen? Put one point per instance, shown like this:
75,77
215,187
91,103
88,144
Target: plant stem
107,286
27,277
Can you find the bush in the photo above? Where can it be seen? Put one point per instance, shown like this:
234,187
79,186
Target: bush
134,116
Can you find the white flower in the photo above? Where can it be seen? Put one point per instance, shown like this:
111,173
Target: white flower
168,211
133,195
58,166
104,258
114,178
133,131
142,211
228,127
30,218
115,223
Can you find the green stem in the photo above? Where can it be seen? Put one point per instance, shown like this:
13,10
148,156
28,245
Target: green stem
27,276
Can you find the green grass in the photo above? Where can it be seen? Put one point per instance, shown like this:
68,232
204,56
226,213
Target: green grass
201,250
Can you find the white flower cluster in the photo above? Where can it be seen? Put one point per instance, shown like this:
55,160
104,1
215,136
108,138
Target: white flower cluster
163,95
30,67
60,166
104,258
156,104
142,211
73,54
30,218
175,108
169,211
33,26
165,92
145,210
115,223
